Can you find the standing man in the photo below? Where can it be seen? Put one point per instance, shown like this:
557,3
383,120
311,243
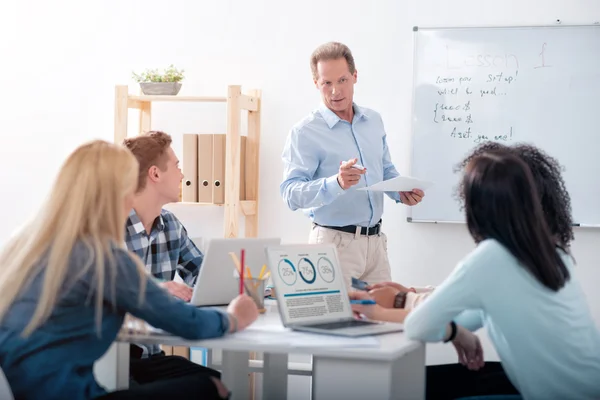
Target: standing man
336,149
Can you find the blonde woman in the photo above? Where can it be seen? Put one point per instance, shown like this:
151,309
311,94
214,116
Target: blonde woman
67,283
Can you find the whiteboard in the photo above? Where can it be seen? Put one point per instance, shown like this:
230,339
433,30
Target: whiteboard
538,85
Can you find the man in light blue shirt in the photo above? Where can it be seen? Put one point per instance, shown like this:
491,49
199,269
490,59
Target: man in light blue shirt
337,149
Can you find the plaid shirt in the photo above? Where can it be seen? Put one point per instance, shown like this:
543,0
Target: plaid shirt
165,251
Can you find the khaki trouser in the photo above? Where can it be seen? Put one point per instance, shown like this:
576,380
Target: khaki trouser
362,257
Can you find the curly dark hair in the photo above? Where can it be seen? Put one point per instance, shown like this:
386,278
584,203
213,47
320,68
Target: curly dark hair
546,171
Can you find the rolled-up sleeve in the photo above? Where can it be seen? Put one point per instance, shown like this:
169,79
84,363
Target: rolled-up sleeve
299,189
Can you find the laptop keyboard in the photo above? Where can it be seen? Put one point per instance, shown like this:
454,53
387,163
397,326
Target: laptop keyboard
341,324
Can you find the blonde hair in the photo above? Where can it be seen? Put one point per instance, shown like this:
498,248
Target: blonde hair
331,51
85,205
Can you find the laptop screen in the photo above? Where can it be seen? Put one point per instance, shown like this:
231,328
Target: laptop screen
308,283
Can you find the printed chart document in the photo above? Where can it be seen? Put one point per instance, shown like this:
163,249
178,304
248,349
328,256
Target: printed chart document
309,284
399,184
139,327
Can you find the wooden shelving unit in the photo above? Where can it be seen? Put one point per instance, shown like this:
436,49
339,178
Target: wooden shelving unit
236,102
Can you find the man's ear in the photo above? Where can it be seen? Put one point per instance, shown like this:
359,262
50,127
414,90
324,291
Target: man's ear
355,75
154,173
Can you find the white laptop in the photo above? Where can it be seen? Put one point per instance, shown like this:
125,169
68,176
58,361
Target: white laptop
311,293
217,282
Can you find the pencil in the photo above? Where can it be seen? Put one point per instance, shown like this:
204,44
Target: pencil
262,271
236,262
242,271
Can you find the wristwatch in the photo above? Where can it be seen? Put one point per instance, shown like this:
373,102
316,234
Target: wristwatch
400,300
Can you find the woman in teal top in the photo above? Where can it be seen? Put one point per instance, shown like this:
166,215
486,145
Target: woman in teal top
519,285
67,282
556,205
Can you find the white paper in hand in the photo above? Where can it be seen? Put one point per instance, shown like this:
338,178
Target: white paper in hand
399,184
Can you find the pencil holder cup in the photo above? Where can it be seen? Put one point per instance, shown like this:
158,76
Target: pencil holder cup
255,288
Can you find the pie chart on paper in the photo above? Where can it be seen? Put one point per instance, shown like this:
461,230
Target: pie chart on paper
287,272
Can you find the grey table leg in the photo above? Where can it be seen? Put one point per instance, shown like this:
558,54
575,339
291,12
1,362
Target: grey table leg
112,370
275,376
123,358
209,358
235,374
363,379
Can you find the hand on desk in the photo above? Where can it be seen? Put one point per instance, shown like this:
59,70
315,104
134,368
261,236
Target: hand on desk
384,296
375,311
384,293
371,311
412,198
179,290
244,310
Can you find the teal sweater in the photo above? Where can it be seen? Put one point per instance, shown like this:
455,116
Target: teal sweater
547,341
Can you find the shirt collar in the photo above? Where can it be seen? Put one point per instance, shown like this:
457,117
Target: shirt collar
135,225
331,118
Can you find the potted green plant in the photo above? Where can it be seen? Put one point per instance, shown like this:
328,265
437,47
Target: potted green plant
155,82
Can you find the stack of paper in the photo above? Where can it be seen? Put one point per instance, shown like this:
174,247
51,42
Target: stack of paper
276,334
141,328
399,184
302,339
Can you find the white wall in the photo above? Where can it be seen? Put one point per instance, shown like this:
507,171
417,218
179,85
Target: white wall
60,60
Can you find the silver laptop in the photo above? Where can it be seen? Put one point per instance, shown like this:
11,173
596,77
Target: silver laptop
217,282
311,293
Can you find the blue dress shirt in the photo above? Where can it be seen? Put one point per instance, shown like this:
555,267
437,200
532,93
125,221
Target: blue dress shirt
312,155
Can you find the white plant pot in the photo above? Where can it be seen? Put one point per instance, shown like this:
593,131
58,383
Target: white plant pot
160,88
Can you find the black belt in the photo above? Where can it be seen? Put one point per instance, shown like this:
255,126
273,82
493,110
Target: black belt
374,230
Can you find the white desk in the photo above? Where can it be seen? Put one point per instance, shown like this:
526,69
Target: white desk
392,368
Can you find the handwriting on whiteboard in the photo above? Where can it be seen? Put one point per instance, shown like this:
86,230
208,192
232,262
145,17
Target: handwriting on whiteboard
456,60
462,94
